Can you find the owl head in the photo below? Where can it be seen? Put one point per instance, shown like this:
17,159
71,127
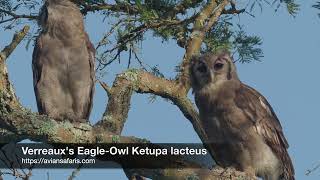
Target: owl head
55,12
211,68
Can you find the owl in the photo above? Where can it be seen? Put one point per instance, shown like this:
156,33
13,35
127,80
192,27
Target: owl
242,129
63,63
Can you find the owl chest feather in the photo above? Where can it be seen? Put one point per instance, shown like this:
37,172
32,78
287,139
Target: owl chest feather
216,114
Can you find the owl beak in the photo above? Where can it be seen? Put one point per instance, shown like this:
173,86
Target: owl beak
211,76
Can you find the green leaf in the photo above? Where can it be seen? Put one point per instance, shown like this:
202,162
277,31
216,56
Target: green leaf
247,47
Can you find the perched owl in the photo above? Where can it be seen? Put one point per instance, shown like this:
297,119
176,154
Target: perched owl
63,63
241,126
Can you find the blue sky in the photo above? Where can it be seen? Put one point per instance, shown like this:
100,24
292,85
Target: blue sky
287,77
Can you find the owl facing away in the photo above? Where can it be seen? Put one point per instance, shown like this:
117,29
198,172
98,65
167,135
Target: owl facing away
242,129
63,63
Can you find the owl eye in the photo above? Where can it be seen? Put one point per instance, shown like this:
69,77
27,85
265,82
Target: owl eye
218,66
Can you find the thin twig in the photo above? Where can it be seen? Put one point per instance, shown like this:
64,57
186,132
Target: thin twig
16,16
309,171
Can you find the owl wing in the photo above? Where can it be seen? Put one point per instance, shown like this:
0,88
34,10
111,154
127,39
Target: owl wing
258,110
37,69
35,65
92,52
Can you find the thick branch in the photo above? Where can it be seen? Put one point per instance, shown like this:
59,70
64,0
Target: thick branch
25,124
140,81
6,88
41,128
119,100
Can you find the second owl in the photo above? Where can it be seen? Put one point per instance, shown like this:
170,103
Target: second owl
63,63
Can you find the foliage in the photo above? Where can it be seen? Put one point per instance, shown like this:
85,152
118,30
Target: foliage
6,5
246,46
28,6
168,19
225,35
291,6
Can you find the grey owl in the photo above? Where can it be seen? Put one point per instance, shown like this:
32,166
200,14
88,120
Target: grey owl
63,63
242,128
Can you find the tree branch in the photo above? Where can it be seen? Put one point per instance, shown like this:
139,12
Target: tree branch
119,100
16,16
6,89
17,38
27,125
140,81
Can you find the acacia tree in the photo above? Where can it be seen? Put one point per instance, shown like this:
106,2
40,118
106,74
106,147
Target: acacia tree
197,26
